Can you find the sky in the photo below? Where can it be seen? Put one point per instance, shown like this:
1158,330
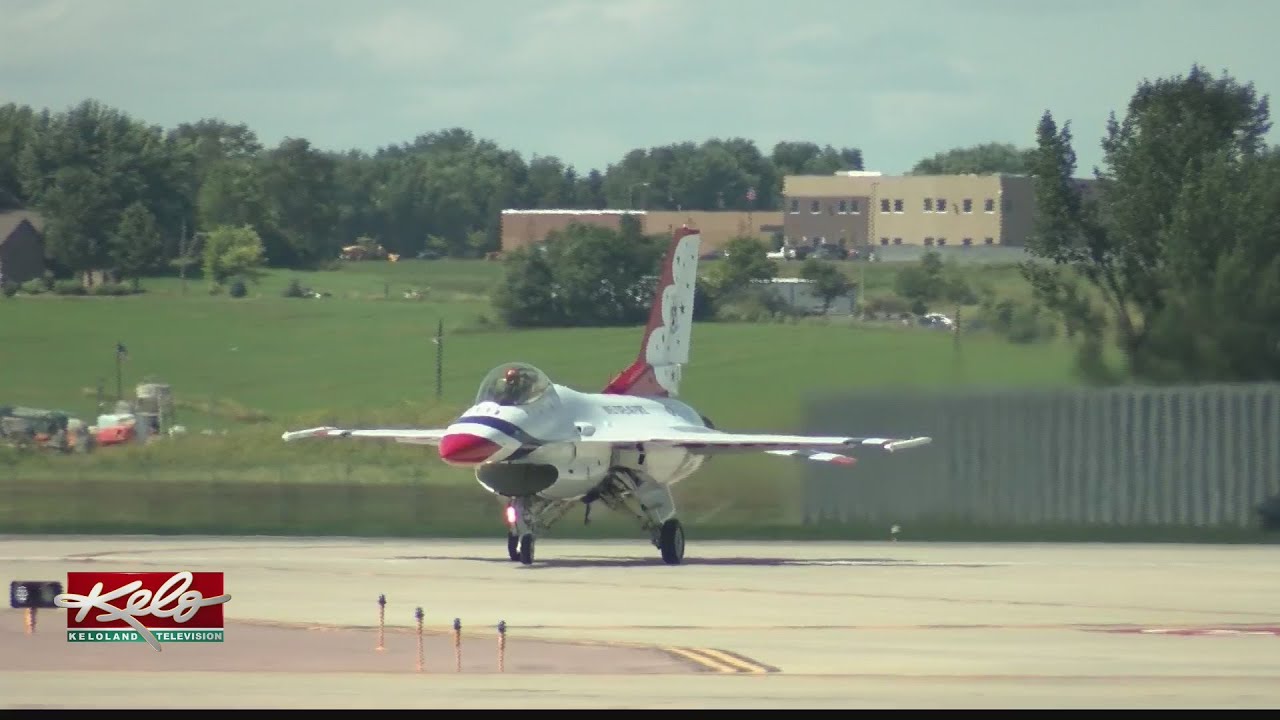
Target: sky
588,81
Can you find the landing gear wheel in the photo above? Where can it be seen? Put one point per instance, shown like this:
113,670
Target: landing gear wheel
671,542
526,549
513,546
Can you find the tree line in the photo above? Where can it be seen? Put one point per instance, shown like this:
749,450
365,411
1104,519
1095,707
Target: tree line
118,193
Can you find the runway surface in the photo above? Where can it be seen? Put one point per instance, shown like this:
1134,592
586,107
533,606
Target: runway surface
606,624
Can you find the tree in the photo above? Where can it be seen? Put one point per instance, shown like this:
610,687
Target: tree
1185,219
982,159
136,245
828,282
930,281
746,260
527,295
584,276
232,252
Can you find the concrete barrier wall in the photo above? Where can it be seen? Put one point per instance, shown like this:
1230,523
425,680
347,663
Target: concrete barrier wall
1190,457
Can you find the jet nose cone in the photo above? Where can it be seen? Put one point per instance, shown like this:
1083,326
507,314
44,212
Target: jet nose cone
466,449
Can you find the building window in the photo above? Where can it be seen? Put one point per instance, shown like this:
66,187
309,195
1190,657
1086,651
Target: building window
928,241
897,241
968,205
989,206
884,206
928,204
942,205
844,208
854,207
795,206
968,242
884,241
897,205
989,241
815,207
942,241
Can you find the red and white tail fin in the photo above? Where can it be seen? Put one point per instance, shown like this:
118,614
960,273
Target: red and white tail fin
665,347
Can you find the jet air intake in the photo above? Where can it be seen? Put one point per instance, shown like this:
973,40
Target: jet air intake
519,480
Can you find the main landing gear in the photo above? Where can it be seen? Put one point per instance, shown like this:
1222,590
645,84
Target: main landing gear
624,491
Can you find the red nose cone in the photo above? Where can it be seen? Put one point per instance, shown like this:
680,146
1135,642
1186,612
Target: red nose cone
466,448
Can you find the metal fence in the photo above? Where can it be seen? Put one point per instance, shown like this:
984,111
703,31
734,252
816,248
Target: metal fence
1185,456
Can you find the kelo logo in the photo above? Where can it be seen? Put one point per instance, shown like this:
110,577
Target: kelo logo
173,607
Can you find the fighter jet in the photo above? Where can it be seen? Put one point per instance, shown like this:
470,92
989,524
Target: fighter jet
544,448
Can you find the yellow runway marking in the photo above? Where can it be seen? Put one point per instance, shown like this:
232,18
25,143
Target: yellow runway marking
719,660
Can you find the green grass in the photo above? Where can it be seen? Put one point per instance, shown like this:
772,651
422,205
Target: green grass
253,367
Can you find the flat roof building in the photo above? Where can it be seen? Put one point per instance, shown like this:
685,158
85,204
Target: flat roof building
526,227
922,210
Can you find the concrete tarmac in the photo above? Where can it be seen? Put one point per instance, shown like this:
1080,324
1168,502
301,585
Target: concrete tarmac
607,624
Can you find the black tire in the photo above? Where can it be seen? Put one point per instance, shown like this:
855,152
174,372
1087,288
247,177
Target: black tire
526,549
671,542
513,546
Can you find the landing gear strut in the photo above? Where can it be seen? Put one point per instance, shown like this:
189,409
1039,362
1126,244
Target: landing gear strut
650,503
526,517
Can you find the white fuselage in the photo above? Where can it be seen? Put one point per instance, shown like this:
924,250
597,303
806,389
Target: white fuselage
557,430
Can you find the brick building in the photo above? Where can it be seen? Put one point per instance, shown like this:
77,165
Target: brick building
525,227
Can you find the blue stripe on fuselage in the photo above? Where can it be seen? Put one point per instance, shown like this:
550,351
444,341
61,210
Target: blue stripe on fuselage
528,442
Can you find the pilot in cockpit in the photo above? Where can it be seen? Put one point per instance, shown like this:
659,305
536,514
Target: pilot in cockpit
514,387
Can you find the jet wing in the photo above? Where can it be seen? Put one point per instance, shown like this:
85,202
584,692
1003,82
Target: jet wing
411,436
703,441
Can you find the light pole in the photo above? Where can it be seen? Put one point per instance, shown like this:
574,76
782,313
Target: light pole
631,192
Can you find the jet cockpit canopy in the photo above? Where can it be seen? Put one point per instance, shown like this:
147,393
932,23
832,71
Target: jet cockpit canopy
513,384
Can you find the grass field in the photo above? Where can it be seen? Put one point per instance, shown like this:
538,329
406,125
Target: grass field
254,366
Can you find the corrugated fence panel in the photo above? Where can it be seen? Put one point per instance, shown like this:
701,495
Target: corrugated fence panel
1204,456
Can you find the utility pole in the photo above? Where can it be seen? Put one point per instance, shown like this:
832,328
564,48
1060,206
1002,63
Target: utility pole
121,353
957,356
631,193
439,341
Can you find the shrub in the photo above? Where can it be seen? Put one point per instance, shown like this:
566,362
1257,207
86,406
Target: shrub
888,306
69,287
237,289
1018,322
293,289
33,287
111,289
755,304
9,289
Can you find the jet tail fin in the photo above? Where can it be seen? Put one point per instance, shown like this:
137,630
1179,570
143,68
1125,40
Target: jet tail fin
665,346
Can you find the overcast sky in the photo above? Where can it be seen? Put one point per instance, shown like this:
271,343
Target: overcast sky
587,81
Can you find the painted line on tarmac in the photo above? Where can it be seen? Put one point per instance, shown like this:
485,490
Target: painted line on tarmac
721,661
1223,629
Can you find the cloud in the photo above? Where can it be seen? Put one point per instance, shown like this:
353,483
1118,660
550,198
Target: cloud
403,40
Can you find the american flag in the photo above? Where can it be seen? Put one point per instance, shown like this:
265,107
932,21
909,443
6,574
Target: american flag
751,194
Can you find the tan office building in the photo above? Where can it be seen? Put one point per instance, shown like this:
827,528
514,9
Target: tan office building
922,210
526,227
